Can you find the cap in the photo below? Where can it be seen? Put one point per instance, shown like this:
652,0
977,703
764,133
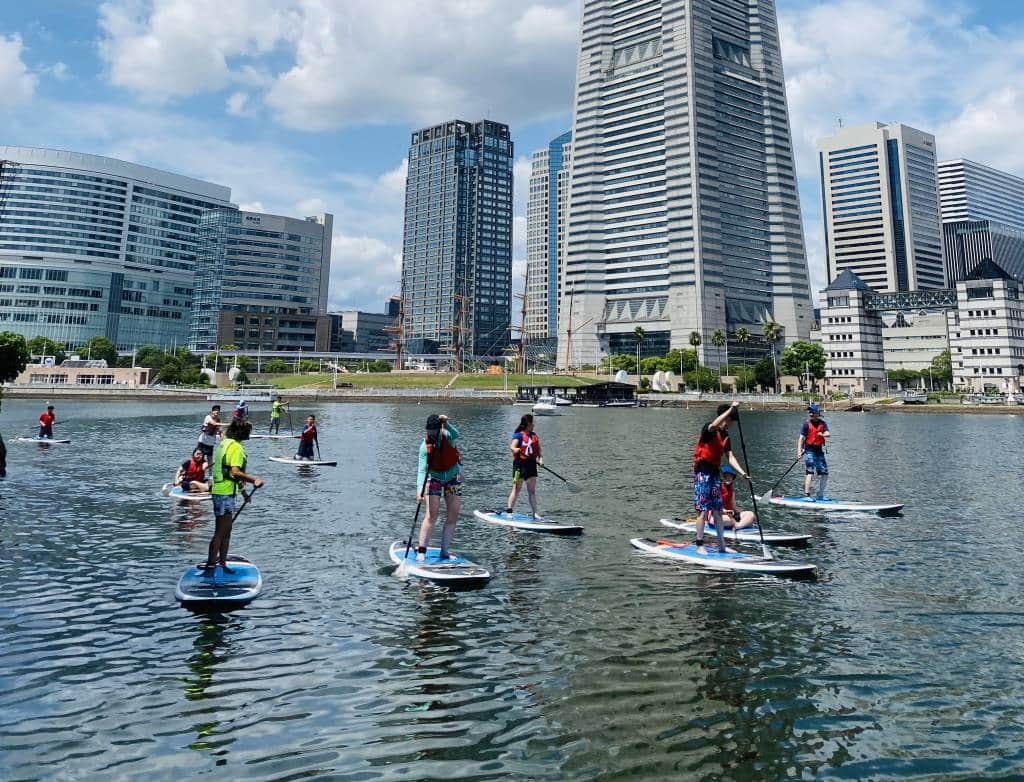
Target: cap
813,408
728,470
433,424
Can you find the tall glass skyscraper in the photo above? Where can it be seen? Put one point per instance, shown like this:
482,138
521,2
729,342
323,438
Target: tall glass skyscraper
457,247
545,235
96,247
683,211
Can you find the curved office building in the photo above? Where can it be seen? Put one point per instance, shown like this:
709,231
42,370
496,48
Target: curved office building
92,246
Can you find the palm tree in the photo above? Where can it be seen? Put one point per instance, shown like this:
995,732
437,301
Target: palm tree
695,341
719,341
638,333
773,333
743,337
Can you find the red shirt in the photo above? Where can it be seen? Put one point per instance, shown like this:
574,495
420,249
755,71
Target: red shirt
47,419
728,496
309,433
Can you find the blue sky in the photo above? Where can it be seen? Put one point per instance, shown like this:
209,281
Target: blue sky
303,106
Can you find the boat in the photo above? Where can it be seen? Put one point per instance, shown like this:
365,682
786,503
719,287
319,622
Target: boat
619,403
724,560
912,397
802,502
561,401
545,405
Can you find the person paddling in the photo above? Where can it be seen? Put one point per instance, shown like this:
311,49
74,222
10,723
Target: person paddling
712,444
275,414
241,410
229,476
46,421
526,455
191,475
306,440
439,473
210,432
811,446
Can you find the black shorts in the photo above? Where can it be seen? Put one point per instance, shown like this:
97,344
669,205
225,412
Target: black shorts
522,471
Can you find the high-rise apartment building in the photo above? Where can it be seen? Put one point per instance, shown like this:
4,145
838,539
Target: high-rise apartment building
457,247
261,281
683,210
545,235
96,247
880,206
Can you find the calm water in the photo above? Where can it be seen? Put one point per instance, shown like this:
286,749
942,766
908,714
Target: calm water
580,660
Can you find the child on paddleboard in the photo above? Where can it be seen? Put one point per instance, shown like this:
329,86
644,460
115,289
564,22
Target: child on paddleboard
712,444
526,455
440,473
229,462
191,475
307,438
731,516
811,446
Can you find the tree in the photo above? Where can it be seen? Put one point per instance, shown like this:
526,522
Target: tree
170,372
14,358
764,373
904,377
804,356
193,376
772,332
44,346
746,379
652,364
150,356
679,361
743,337
701,377
719,341
243,362
100,348
275,366
380,365
942,369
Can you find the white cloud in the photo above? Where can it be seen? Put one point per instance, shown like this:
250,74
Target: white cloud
365,271
17,84
236,103
252,206
988,129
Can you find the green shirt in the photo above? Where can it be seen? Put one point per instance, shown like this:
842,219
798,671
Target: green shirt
229,453
275,409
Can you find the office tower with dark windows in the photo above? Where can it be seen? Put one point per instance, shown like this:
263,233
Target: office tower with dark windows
683,211
982,217
880,204
457,246
261,282
545,238
96,247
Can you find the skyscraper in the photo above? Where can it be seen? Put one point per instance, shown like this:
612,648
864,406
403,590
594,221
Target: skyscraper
683,211
457,248
880,205
545,234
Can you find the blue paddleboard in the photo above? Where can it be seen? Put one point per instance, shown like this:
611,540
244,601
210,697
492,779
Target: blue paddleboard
215,588
457,571
729,560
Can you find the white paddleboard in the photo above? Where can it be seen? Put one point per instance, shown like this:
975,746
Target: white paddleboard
217,589
715,560
745,535
525,521
302,462
273,437
43,440
177,493
452,572
830,504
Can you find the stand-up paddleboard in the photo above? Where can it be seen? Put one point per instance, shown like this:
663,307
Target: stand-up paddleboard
273,437
830,504
745,535
525,521
198,588
714,560
302,462
177,493
43,440
452,572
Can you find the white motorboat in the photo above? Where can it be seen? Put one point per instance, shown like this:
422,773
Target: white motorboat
545,405
561,401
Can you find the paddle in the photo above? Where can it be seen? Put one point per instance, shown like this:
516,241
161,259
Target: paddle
36,425
404,566
316,442
291,428
765,551
568,484
768,494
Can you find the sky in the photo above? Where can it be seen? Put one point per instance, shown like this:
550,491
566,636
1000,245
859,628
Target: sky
305,106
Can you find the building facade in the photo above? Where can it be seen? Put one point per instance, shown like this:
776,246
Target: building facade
545,235
96,247
969,242
353,331
683,208
457,245
261,281
971,191
912,341
880,206
851,334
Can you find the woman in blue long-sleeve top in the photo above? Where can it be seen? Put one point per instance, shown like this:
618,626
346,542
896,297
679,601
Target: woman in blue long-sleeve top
439,473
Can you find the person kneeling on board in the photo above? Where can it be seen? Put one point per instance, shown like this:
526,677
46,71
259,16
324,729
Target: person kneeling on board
229,477
811,446
306,440
712,444
46,420
440,472
191,475
525,447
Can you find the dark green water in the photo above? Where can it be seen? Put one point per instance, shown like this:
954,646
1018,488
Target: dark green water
582,659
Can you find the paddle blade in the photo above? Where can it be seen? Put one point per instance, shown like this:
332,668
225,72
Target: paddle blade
766,551
573,488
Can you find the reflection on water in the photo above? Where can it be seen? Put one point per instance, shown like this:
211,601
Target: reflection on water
580,660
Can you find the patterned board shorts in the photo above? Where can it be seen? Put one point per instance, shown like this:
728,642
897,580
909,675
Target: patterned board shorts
452,488
815,462
707,492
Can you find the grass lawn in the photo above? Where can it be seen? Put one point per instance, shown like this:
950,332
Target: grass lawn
421,380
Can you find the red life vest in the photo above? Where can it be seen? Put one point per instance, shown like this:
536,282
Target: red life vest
309,434
815,434
47,419
728,496
529,442
194,471
711,451
441,458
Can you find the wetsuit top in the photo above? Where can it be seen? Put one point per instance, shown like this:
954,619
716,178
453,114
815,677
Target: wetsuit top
308,433
275,409
46,419
712,445
447,467
814,435
229,453
192,471
529,444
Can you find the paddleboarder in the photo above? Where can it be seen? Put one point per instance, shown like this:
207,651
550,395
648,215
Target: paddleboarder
46,420
526,455
438,451
712,444
731,515
811,446
307,438
191,475
229,476
241,410
209,433
275,414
